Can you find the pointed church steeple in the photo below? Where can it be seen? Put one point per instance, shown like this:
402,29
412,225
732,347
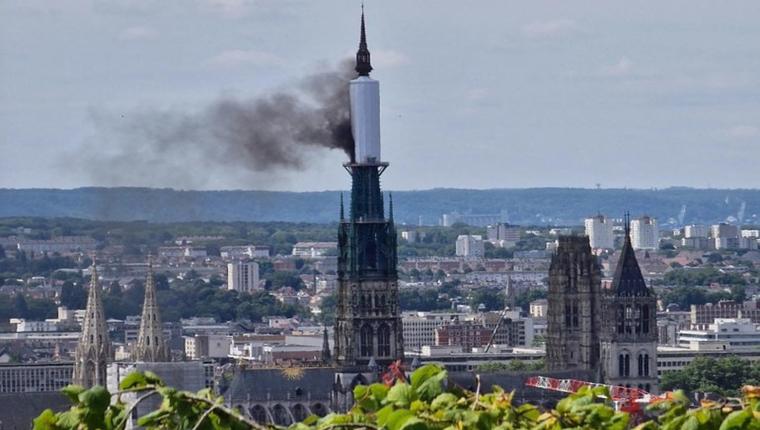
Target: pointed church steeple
326,355
363,66
93,351
628,280
150,342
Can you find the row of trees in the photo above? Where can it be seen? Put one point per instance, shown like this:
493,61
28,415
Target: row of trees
724,376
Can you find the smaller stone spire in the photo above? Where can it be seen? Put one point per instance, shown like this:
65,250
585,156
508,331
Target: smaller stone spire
93,352
342,212
150,342
326,355
363,66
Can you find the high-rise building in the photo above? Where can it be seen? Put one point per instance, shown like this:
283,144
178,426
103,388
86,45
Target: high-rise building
726,236
599,232
629,333
368,327
94,351
694,230
470,246
644,233
574,310
151,346
243,276
503,234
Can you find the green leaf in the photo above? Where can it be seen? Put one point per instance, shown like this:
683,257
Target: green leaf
152,378
424,373
401,395
379,391
360,392
402,419
132,380
152,417
427,389
73,392
443,401
736,420
68,420
96,398
46,420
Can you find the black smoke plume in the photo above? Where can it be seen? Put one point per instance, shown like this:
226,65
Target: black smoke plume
274,131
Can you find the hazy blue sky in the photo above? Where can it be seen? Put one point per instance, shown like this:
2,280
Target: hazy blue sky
476,94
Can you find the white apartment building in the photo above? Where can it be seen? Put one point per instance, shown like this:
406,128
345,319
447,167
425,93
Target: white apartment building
694,230
734,333
202,346
599,232
644,233
243,276
539,308
503,235
470,246
725,236
419,327
313,249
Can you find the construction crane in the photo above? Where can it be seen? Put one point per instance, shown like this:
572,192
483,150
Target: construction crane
626,399
509,304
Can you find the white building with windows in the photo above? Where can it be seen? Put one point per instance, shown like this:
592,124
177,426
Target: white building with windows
644,233
599,232
243,276
470,246
732,333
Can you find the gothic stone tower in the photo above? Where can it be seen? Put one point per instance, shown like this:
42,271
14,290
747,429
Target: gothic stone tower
94,348
629,335
574,306
368,324
151,346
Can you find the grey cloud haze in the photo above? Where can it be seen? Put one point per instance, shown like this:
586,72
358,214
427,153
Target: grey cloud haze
474,94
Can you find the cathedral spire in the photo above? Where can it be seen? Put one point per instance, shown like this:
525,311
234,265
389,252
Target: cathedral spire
94,348
326,355
628,279
363,66
150,342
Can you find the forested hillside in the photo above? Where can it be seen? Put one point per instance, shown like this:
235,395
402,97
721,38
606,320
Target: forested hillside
533,206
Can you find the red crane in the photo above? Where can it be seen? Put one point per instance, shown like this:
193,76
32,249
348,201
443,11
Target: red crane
627,399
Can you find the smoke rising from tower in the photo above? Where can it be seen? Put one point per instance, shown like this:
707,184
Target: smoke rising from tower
275,131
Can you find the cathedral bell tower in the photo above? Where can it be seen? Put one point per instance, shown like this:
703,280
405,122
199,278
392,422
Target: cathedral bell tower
368,323
629,337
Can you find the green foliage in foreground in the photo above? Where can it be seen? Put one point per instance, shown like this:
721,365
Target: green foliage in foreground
420,403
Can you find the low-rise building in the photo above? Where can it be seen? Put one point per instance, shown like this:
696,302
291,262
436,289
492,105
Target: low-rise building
732,333
35,377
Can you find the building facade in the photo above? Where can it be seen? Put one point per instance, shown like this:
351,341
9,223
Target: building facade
599,230
574,307
629,331
243,276
470,246
644,233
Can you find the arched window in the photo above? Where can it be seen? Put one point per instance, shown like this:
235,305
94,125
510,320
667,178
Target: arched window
624,364
645,319
641,364
646,364
568,317
384,341
628,319
366,341
259,414
639,320
620,319
281,415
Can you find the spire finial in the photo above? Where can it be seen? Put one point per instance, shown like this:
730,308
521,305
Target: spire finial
342,213
363,66
627,221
